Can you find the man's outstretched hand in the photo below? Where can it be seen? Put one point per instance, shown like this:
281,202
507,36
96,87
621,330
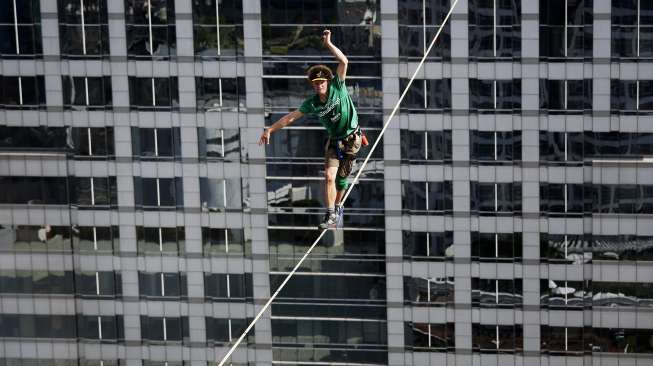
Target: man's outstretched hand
326,37
265,137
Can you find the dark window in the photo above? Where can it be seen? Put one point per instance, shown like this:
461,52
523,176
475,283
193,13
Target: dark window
419,21
489,292
564,199
495,198
566,29
220,94
155,143
228,286
230,241
559,340
329,332
632,29
86,92
91,142
219,143
98,284
49,326
26,92
89,238
162,285
565,95
428,291
153,93
219,330
25,238
495,146
624,198
424,337
151,31
218,33
293,243
151,193
620,340
36,282
164,329
561,146
426,95
95,192
368,289
419,146
495,29
83,32
310,193
34,190
432,245
160,240
497,338
23,26
498,96
496,246
564,248
426,196
34,138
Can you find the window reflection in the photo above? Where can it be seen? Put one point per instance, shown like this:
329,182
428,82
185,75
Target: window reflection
425,337
495,146
20,31
426,196
221,94
220,194
162,285
494,29
34,190
495,198
87,92
490,338
489,292
566,33
433,245
158,193
222,331
494,96
565,294
151,30
17,281
22,92
84,31
218,28
426,95
163,329
428,291
496,246
21,238
164,240
153,93
96,238
228,286
156,143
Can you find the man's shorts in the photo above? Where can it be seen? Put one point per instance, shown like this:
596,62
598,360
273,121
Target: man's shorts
349,147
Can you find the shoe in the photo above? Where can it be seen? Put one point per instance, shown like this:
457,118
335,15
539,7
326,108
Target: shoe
330,221
340,211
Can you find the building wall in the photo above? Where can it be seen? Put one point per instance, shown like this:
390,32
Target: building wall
504,218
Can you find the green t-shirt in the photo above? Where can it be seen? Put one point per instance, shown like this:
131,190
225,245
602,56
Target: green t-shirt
338,114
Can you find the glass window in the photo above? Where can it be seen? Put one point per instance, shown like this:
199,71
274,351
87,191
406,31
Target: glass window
164,329
368,289
95,238
20,29
22,92
489,292
310,193
95,192
424,337
496,246
494,96
227,286
34,138
86,92
45,238
426,95
564,199
98,284
495,146
36,282
419,21
424,146
219,330
428,291
620,340
433,245
217,143
49,326
168,240
162,285
34,190
219,194
294,243
490,338
344,332
155,143
83,28
560,340
568,33
632,29
217,240
218,28
153,93
494,29
92,142
563,147
152,193
221,94
150,27
426,196
621,247
565,294
572,96
495,198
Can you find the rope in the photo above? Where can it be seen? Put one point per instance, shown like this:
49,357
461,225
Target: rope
360,171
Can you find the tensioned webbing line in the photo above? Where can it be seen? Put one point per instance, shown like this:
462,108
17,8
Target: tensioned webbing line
344,198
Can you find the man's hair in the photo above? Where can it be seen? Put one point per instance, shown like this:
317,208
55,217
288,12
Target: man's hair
319,72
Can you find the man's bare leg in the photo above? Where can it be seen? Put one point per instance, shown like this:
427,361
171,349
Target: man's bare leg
339,196
330,187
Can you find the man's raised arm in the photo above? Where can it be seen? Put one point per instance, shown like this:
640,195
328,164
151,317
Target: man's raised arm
335,51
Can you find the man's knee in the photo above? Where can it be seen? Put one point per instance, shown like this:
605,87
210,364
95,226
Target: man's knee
330,176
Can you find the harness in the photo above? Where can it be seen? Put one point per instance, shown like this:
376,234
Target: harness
341,142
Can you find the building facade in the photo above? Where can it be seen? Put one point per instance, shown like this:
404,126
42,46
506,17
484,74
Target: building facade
506,218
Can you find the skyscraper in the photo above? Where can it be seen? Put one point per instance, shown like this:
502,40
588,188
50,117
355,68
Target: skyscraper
506,218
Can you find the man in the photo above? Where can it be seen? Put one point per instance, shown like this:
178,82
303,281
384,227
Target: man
335,110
